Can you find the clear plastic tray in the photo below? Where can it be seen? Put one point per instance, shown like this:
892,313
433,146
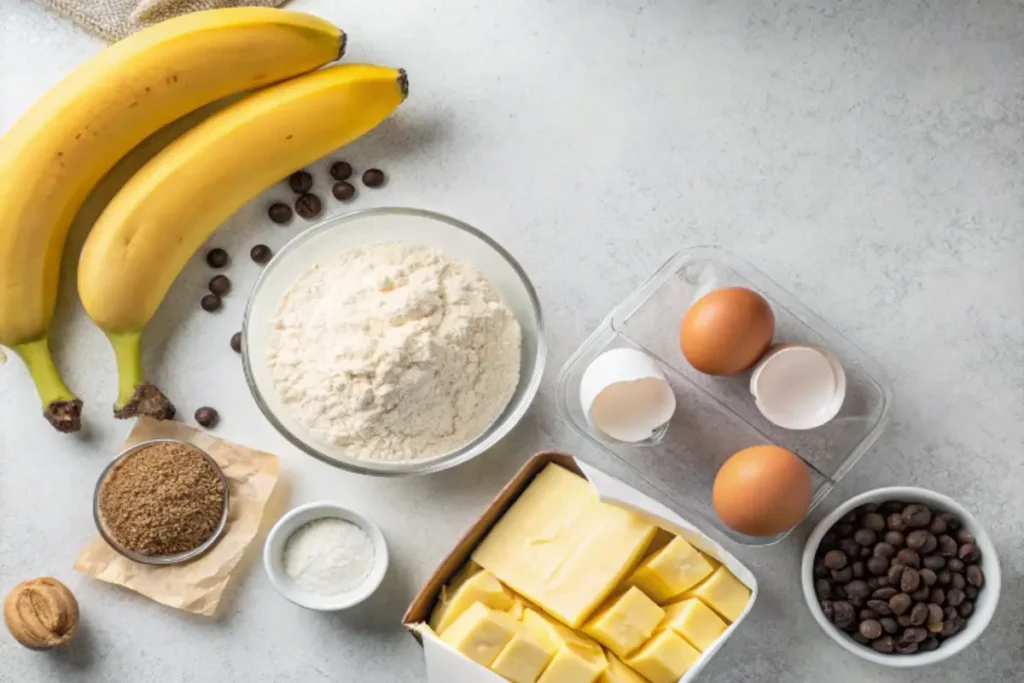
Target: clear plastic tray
716,416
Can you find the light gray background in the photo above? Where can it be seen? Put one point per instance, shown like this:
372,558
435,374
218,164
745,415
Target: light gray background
867,155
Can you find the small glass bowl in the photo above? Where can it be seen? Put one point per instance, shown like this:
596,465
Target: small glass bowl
162,560
372,226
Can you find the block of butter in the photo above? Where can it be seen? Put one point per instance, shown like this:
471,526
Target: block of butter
625,622
561,547
695,622
723,593
480,633
463,593
526,655
671,571
664,658
578,659
617,672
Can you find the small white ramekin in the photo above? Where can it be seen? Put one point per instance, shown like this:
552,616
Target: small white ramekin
273,557
984,606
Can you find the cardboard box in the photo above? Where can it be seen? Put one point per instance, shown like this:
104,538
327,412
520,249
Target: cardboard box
446,665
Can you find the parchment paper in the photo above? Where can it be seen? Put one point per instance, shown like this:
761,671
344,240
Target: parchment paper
199,585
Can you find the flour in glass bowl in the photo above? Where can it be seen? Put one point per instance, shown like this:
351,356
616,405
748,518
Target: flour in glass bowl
394,352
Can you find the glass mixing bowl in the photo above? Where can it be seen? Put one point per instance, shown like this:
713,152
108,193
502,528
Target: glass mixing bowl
457,240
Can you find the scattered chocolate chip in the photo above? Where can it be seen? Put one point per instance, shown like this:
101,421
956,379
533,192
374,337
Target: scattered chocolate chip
938,525
966,608
895,539
889,625
850,547
945,577
873,521
934,614
864,537
937,595
968,552
917,516
951,520
879,607
260,253
895,522
842,575
965,536
858,590
914,634
343,191
921,594
217,258
207,417
308,206
928,577
341,170
906,648
884,593
300,182
910,581
877,565
823,589
870,629
374,177
934,562
869,614
835,559
918,614
236,342
843,613
210,303
916,539
956,566
886,645
280,213
954,596
909,558
971,592
220,285
930,643
947,546
895,573
899,603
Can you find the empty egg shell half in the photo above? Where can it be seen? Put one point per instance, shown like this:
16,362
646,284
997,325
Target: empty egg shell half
625,395
798,387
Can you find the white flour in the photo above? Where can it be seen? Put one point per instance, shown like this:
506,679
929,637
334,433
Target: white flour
328,556
394,352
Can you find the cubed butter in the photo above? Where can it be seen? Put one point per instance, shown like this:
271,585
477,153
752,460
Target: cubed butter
664,659
618,672
480,633
695,622
525,656
480,586
723,593
578,659
625,622
561,547
671,571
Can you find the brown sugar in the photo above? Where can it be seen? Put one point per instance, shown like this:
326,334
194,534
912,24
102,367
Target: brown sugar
164,499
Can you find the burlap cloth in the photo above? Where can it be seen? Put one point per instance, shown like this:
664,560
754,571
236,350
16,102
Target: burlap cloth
115,19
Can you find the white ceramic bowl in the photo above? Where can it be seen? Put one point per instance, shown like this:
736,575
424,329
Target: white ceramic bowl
273,554
984,606
370,226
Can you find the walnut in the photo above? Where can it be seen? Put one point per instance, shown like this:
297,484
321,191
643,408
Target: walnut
41,613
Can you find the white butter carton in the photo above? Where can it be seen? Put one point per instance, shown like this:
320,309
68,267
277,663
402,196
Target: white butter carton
447,665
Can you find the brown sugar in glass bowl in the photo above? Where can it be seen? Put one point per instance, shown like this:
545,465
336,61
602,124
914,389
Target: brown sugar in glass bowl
161,502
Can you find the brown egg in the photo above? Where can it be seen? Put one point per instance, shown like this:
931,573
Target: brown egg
727,330
762,491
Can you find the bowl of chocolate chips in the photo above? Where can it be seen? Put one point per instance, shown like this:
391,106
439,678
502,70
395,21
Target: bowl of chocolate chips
901,576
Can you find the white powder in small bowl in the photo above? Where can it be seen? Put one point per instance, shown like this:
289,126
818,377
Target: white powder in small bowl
328,556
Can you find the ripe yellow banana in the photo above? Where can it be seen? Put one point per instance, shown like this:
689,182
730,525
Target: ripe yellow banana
158,220
61,147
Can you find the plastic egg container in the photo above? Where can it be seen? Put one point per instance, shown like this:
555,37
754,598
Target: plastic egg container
717,416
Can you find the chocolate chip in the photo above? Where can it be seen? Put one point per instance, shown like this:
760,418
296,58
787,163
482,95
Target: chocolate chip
886,645
892,506
341,170
280,213
938,525
877,565
937,595
865,553
889,625
843,529
843,575
899,603
975,577
210,303
906,648
966,608
207,416
951,520
919,614
910,580
952,626
916,539
930,543
895,573
903,620
949,613
955,565
945,577
864,537
928,577
839,592
308,206
921,594
868,614
964,536
917,516
343,191
826,609
858,589
895,538
835,559
374,177
820,570
220,285
885,549
934,614
909,558
955,596
236,342
971,592
947,546
870,629
850,547
914,634
300,182
260,253
930,643
934,562
823,589
217,258
968,552
860,638
858,569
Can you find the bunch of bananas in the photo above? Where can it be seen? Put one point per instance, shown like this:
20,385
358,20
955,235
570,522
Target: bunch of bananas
64,144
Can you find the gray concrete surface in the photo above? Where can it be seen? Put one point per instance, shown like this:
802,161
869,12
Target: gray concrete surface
867,155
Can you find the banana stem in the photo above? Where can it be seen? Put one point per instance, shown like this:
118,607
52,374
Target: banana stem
60,407
128,352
